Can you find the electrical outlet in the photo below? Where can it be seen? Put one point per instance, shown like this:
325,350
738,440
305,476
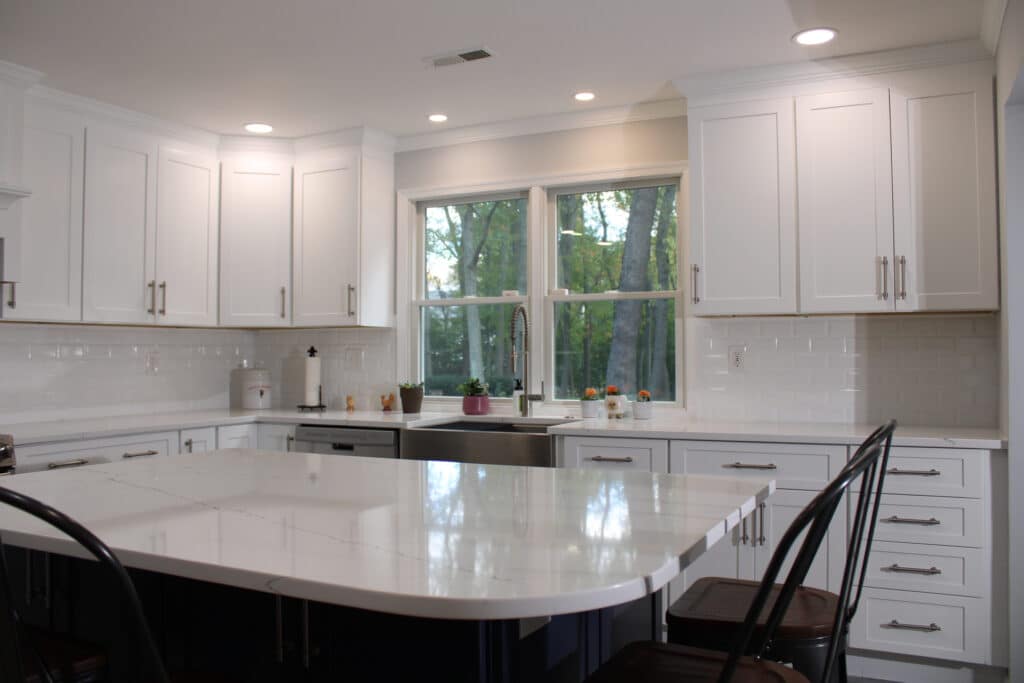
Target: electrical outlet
737,358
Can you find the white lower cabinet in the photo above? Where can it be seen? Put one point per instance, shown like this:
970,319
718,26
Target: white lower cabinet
644,455
54,456
198,440
237,436
275,437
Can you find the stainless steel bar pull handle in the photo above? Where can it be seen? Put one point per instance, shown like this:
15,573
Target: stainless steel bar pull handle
928,628
351,291
903,277
78,462
283,305
751,466
152,297
163,301
895,568
694,271
885,278
140,454
13,301
761,538
188,445
608,458
288,441
744,537
914,473
931,521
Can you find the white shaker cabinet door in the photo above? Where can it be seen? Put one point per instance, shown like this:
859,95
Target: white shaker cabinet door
186,238
275,437
326,242
199,440
944,196
256,244
743,208
50,284
844,170
119,253
237,436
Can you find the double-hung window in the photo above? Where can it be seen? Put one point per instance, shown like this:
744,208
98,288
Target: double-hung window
614,262
475,271
599,271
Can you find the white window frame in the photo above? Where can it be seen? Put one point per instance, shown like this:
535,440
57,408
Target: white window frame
541,263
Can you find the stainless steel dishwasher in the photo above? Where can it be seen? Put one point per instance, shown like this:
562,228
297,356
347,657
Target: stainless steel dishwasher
367,443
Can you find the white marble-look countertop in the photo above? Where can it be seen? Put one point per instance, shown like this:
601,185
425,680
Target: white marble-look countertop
665,425
432,539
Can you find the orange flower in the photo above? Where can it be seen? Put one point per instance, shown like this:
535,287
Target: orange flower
590,393
644,395
612,390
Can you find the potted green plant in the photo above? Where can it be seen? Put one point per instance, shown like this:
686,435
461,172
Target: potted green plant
412,396
475,400
590,403
643,409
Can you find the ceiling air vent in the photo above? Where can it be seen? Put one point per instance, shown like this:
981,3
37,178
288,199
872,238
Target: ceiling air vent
461,57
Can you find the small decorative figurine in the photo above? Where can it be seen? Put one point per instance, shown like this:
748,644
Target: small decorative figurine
387,402
350,404
614,402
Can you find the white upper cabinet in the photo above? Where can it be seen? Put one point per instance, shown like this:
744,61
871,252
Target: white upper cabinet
186,238
743,204
119,260
944,191
343,240
256,244
845,202
50,284
326,256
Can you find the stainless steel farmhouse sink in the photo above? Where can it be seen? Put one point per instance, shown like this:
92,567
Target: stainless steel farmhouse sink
488,443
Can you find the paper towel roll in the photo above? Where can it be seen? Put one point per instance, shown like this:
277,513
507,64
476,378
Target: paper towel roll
312,379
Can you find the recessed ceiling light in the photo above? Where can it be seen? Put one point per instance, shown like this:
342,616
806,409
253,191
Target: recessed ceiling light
584,96
259,127
438,118
815,36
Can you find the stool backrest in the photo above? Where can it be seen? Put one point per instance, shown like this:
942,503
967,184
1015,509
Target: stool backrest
126,597
867,465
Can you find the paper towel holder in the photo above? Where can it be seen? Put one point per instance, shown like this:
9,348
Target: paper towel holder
319,407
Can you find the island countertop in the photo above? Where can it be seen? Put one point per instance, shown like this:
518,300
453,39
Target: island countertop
419,538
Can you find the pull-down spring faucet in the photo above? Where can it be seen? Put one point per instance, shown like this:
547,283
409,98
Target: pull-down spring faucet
525,406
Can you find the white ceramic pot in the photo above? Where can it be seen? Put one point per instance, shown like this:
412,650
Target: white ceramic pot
254,387
616,406
643,411
589,409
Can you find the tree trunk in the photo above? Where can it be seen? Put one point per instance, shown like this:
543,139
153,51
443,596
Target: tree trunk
622,359
660,379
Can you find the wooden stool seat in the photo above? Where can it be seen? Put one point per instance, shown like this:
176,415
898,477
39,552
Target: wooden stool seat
713,608
68,659
667,663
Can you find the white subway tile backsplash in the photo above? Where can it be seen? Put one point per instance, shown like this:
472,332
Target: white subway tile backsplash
927,370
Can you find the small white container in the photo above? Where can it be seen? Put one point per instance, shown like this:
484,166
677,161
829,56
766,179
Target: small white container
643,410
616,406
590,409
253,388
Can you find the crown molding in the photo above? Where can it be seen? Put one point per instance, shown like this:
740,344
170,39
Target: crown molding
850,66
246,143
113,113
992,23
644,111
18,75
348,137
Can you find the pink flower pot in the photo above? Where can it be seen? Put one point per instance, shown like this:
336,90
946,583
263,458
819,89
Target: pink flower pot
476,405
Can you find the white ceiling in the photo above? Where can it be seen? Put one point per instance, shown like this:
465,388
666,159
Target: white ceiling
310,66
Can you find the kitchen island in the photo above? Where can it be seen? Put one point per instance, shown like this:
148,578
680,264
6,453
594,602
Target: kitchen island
488,557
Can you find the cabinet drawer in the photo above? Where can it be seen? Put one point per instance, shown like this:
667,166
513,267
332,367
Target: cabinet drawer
646,455
945,627
793,466
95,451
927,569
935,472
940,521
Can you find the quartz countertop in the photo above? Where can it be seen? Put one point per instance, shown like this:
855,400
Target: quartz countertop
663,426
432,539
